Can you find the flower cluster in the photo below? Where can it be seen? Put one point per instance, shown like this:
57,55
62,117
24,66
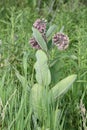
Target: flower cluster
34,43
60,40
40,25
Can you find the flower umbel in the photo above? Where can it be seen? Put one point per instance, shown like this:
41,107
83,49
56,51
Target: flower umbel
40,25
34,43
61,41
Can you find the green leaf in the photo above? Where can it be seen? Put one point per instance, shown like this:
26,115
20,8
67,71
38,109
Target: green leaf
62,86
37,35
37,101
43,75
61,30
22,79
51,30
35,97
25,57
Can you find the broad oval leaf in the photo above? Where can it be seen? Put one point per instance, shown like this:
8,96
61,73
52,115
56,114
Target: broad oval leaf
37,100
37,35
62,87
50,30
35,96
43,75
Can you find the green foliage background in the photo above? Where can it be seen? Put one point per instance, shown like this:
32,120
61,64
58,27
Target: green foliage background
17,59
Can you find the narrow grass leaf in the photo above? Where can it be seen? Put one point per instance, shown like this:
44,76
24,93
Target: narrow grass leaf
61,30
51,30
21,78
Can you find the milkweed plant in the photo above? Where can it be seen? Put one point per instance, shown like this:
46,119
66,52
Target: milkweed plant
43,97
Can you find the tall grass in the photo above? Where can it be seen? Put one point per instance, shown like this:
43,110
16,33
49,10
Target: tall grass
75,25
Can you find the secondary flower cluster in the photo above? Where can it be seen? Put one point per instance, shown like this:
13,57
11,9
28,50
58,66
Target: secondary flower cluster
60,40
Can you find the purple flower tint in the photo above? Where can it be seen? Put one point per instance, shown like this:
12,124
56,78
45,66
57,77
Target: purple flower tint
40,25
61,41
34,43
